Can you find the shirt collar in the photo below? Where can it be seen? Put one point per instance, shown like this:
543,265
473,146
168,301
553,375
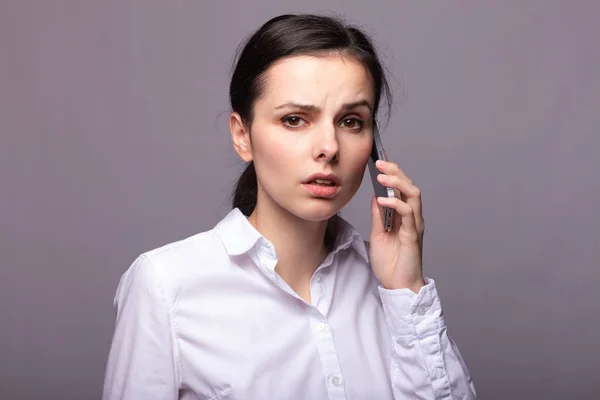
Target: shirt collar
350,237
237,233
239,236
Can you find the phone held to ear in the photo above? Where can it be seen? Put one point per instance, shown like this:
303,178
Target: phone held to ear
378,153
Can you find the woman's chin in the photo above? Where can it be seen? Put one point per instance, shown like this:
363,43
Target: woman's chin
318,210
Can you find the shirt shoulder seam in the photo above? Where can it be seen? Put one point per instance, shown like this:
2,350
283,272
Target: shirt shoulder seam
163,291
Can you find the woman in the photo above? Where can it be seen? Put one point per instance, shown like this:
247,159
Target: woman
283,299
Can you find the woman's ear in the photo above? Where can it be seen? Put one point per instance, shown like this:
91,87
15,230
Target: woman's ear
240,136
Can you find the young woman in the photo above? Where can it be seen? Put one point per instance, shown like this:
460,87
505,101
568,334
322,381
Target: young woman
283,299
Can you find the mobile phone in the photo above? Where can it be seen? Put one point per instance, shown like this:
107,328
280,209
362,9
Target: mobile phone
378,153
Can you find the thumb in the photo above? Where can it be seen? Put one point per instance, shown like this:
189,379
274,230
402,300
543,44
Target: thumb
376,219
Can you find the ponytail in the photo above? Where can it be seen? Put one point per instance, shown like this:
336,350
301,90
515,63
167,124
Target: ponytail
244,195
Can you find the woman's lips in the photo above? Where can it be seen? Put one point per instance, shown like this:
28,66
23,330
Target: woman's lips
321,190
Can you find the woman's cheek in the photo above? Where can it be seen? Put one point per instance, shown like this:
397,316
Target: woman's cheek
364,152
360,162
274,152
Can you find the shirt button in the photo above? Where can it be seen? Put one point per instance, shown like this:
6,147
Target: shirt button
421,310
336,380
318,278
322,327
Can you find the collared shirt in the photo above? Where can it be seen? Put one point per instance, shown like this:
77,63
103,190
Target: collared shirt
208,317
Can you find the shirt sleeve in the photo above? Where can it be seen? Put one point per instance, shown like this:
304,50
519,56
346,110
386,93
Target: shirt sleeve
426,363
142,362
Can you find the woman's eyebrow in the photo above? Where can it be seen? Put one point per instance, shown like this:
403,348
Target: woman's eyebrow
357,104
313,108
305,107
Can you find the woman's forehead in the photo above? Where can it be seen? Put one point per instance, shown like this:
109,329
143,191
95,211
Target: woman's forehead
317,80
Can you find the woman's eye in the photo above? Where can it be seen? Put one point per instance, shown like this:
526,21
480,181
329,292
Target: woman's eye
292,121
352,123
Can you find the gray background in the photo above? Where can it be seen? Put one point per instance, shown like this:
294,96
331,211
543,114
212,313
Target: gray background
114,140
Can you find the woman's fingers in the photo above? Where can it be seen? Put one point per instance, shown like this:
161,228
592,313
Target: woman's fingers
395,178
406,213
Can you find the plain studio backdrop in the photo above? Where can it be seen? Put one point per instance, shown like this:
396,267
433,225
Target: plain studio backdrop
114,140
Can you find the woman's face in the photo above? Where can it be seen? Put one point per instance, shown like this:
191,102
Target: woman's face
314,117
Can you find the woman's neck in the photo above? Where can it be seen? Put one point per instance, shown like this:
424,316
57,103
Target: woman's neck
299,243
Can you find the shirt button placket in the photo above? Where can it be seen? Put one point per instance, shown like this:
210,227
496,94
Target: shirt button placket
329,360
335,380
316,290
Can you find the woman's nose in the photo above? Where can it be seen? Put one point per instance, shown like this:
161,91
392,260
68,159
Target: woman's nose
327,146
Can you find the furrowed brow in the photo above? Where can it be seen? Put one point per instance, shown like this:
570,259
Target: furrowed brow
313,108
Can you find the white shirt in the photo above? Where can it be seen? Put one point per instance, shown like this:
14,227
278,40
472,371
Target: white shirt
209,318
